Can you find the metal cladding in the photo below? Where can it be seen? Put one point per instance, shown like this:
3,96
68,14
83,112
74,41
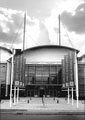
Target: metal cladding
3,68
19,71
71,68
63,73
68,70
81,76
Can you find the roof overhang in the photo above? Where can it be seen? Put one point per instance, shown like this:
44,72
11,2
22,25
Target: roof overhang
50,46
6,49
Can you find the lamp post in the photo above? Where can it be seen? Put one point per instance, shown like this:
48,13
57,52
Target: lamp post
76,79
72,95
68,95
12,70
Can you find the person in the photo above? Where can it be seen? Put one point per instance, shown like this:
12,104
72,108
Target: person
43,100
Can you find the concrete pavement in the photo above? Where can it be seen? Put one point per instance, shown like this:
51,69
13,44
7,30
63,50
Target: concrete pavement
47,106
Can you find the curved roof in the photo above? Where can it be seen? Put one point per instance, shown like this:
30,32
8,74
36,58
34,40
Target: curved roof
50,46
5,49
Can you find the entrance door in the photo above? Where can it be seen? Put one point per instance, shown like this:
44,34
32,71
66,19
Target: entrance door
42,92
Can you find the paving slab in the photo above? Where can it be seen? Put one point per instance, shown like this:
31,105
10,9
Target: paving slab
49,106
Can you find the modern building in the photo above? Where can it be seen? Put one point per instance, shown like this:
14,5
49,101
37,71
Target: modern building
48,70
81,76
5,67
44,72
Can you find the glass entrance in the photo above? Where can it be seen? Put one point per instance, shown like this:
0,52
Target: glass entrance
41,92
42,74
43,79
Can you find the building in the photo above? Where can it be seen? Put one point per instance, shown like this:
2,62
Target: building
81,76
49,71
43,68
5,54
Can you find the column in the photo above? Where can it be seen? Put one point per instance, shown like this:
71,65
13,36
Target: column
12,70
72,95
17,95
76,78
68,95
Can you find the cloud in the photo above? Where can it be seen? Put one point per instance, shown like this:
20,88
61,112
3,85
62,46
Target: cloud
45,32
11,29
35,8
75,23
82,52
51,22
43,36
37,34
10,21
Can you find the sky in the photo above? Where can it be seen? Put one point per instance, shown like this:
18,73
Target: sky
42,24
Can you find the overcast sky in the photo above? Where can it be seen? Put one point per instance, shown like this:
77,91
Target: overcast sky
42,23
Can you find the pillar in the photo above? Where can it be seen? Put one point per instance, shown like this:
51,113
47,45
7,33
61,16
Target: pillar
12,70
17,95
76,77
72,95
68,95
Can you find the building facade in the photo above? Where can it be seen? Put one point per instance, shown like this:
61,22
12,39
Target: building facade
48,71
81,76
5,67
44,71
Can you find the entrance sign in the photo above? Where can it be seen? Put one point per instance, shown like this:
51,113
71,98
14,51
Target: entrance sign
67,84
20,83
71,84
16,83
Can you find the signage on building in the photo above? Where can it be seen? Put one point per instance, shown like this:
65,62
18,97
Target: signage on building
63,85
21,84
71,83
16,83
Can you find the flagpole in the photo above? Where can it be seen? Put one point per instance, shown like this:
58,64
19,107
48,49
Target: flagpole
76,79
12,70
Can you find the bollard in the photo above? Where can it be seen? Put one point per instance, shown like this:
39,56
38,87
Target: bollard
57,101
27,101
54,98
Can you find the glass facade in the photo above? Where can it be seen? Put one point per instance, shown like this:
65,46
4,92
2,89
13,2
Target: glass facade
42,74
42,79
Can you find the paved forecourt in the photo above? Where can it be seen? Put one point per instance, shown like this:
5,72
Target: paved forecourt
45,104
